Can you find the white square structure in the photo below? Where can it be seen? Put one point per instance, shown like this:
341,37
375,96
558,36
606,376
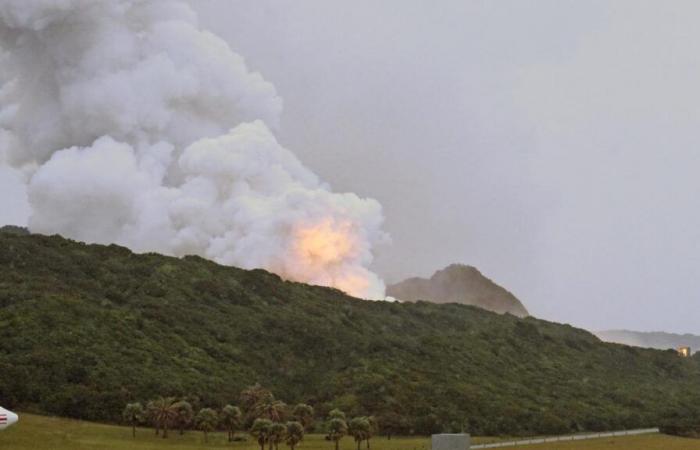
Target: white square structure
450,442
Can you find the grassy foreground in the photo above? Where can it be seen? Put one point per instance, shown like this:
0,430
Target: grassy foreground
643,442
48,433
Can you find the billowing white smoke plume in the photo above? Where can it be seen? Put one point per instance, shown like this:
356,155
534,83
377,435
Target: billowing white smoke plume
135,127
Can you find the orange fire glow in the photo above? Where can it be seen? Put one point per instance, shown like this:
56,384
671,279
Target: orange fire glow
324,253
324,243
353,284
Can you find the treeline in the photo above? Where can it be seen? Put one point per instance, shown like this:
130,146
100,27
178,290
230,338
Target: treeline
269,420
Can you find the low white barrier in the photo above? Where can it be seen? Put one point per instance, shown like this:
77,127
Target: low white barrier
574,437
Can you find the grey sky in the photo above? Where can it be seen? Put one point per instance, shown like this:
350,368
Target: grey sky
15,208
553,144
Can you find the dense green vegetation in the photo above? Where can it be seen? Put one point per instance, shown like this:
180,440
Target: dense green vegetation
86,329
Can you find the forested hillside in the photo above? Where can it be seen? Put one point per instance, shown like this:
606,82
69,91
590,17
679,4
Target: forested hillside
87,328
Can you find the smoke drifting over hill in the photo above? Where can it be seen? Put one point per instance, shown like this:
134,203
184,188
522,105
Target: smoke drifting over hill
131,125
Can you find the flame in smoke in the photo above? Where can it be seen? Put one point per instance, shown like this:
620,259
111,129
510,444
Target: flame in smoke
324,243
352,284
324,247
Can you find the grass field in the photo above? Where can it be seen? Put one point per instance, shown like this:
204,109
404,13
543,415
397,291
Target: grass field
46,433
643,442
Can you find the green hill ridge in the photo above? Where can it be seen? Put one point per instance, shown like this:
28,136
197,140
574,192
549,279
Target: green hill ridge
87,328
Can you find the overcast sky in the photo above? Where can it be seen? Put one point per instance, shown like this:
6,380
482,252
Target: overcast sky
552,144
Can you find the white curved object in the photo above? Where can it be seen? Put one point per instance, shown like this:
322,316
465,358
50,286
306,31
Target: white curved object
7,418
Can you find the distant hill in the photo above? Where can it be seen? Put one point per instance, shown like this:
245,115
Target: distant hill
85,329
459,283
656,339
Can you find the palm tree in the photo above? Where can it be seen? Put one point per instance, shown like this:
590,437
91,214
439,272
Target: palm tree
183,415
393,422
373,428
261,431
269,408
305,414
278,431
162,413
252,395
207,420
359,428
150,415
295,434
336,414
337,428
133,414
231,419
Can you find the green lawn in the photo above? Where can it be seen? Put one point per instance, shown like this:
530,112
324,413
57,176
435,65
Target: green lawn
47,433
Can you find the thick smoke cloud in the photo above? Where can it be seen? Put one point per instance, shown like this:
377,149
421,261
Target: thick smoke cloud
131,125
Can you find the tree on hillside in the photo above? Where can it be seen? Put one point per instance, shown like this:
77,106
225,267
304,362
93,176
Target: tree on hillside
133,414
261,431
162,413
295,434
304,414
278,431
392,423
359,429
183,415
207,420
337,428
231,419
268,407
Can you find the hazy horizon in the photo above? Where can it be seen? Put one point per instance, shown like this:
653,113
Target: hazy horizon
550,144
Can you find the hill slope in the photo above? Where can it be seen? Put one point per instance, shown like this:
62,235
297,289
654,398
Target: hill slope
657,339
458,283
86,328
